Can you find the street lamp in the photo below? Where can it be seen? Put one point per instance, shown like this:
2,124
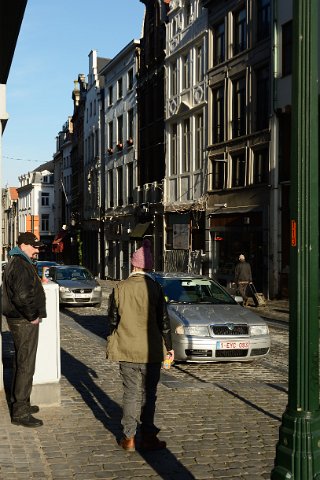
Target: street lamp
298,449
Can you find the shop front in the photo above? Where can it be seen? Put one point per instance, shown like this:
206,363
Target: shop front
234,234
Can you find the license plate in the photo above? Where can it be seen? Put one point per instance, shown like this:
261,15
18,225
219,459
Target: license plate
83,295
237,345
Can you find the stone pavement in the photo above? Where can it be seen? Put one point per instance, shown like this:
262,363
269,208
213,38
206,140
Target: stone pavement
212,431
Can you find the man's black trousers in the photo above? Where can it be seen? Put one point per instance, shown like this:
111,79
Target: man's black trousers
25,337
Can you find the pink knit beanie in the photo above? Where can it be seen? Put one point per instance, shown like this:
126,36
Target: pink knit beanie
142,258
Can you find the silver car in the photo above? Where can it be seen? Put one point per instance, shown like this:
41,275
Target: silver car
77,286
207,324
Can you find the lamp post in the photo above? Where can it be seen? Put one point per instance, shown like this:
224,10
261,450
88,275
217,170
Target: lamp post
298,449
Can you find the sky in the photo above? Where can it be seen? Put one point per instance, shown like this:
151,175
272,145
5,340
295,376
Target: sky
55,40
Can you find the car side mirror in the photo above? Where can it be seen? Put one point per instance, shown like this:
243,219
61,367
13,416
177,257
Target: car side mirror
238,299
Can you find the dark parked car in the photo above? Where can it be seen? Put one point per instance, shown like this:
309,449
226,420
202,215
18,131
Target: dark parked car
207,324
41,264
77,286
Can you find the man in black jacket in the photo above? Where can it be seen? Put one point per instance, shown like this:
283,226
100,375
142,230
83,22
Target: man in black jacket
24,306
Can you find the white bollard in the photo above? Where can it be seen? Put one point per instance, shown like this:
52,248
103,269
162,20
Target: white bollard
46,379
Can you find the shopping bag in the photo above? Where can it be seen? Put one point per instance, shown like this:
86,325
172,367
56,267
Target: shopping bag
258,298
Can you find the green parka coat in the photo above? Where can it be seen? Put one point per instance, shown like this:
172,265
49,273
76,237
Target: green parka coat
139,323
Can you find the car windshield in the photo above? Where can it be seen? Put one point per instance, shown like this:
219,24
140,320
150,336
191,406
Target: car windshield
195,290
73,274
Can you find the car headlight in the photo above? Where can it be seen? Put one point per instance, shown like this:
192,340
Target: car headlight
195,330
259,330
64,289
97,288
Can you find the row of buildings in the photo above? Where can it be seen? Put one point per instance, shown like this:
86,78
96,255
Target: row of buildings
184,137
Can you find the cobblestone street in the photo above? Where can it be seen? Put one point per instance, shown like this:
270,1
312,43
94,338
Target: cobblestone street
219,420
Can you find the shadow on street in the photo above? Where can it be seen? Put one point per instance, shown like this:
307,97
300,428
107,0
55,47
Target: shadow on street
108,412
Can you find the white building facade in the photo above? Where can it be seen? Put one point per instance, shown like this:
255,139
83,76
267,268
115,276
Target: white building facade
121,158
186,134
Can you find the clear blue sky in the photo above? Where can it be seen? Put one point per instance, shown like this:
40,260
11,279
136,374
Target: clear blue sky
55,40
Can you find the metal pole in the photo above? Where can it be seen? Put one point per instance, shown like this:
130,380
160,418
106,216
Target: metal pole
298,449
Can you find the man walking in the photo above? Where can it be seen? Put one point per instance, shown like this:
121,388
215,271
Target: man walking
243,277
139,339
24,306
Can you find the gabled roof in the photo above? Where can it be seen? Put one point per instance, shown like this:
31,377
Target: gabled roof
45,166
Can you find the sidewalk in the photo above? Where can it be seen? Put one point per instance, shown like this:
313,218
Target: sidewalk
274,310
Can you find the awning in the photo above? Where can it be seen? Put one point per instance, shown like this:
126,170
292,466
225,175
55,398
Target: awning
139,230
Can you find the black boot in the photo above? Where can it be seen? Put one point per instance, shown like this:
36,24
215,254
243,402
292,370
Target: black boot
27,421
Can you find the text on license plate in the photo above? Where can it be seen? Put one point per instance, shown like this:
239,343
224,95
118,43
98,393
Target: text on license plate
232,345
83,295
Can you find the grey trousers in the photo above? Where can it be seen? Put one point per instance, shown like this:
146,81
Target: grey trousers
140,382
25,337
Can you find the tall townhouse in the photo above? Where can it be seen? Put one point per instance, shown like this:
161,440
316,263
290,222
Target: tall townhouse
9,220
36,205
185,189
151,144
241,162
121,159
63,176
282,68
77,167
93,170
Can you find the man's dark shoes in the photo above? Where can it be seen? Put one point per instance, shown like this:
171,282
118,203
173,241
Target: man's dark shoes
150,442
128,444
27,421
34,409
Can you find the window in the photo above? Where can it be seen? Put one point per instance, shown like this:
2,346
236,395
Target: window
199,141
219,44
188,12
120,186
238,163
200,67
239,108
287,49
174,149
218,173
110,188
261,166
186,72
45,223
239,31
218,115
264,19
186,151
44,199
262,79
120,92
130,182
130,79
110,96
96,148
174,78
120,130
130,124
110,134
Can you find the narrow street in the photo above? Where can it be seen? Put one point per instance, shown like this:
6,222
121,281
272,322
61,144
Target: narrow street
219,420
